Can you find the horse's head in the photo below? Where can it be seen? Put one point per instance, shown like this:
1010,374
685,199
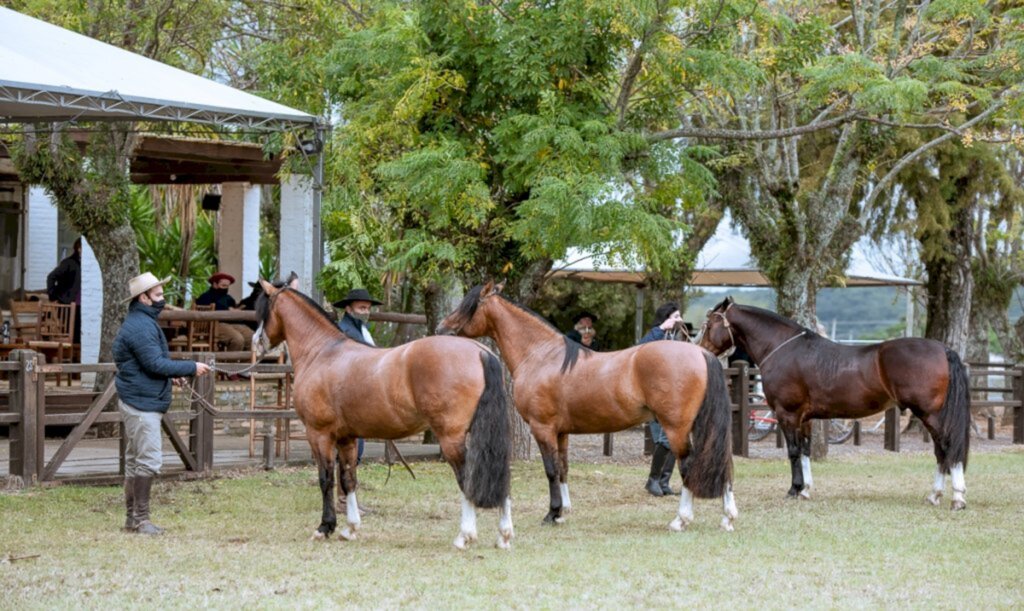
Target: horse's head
271,330
716,332
470,318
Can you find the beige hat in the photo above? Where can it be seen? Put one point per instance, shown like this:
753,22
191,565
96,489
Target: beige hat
142,283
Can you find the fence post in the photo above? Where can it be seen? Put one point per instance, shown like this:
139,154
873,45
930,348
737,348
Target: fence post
201,424
1018,396
25,440
739,396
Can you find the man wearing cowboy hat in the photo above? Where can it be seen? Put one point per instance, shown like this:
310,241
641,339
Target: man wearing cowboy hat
583,330
357,312
144,374
234,336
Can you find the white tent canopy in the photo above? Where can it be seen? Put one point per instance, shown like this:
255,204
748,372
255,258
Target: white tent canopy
725,261
49,73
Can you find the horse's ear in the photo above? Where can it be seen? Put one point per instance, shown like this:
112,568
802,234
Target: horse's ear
499,287
268,288
729,300
488,289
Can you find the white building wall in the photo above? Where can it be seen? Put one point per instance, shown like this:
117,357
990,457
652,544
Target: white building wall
239,235
41,220
296,231
92,304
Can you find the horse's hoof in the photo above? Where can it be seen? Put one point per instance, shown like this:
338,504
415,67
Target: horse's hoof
727,524
503,542
805,494
318,536
552,519
679,524
560,520
958,506
460,543
347,534
934,498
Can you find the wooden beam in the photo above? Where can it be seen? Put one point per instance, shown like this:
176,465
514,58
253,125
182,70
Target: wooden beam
164,166
79,431
202,179
181,148
179,445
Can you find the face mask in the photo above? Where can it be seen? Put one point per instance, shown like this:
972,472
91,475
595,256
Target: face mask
360,316
158,305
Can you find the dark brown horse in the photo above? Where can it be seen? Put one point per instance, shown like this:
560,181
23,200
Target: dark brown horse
562,388
806,376
345,390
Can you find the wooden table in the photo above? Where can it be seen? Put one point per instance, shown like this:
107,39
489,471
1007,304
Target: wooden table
7,349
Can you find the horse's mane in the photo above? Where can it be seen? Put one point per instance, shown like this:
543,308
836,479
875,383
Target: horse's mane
467,308
775,317
263,307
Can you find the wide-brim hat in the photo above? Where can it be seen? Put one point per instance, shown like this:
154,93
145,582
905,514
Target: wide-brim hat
221,276
142,283
584,314
356,295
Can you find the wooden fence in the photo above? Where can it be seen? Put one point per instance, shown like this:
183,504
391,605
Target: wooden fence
743,378
27,414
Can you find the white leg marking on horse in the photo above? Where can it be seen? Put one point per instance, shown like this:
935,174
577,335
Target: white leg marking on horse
956,475
505,530
349,532
685,515
940,481
566,503
805,466
467,529
728,508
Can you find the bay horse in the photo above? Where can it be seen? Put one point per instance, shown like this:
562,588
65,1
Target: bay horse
563,388
344,390
806,376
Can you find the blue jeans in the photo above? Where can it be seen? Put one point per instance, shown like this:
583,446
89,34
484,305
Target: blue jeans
658,433
359,453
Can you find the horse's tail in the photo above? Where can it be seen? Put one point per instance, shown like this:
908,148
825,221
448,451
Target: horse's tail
955,417
708,469
488,472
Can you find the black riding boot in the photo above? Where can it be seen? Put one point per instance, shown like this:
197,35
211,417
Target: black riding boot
143,486
657,466
666,475
129,505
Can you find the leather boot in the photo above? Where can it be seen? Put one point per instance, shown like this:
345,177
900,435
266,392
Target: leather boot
129,505
666,475
143,486
657,466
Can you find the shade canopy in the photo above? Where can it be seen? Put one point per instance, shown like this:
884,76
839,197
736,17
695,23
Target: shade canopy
48,73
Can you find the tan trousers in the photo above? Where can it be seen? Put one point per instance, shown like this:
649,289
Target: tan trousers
235,337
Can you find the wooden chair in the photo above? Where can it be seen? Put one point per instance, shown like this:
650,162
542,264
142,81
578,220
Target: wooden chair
280,399
56,333
200,335
24,321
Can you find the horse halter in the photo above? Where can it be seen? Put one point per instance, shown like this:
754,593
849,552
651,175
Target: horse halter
725,323
259,338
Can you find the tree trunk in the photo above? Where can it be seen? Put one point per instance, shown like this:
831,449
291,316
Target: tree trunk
118,265
950,286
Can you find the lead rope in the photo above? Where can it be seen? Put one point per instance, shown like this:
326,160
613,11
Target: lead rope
389,445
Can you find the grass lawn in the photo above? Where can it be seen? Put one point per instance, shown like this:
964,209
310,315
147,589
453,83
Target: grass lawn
867,539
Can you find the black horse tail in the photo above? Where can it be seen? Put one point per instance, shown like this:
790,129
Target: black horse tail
955,417
708,469
488,450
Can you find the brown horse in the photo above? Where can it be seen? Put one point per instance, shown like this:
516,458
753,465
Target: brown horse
806,376
345,390
562,388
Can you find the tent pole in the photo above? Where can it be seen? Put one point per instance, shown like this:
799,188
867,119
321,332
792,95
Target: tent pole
318,193
909,332
639,331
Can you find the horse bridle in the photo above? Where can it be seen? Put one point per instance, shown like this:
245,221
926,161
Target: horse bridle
725,323
258,337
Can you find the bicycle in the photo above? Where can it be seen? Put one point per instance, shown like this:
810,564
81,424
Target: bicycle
763,423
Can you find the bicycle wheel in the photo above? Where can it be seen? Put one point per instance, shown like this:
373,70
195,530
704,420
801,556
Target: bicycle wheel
839,430
762,423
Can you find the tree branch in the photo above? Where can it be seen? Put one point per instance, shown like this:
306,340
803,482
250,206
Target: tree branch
740,134
907,159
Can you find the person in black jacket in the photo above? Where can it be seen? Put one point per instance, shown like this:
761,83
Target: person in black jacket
583,332
144,374
667,321
235,336
356,306
64,285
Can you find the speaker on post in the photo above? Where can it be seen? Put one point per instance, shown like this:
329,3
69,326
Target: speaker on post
211,201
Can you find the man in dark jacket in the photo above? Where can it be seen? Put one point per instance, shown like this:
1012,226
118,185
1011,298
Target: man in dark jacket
234,336
144,375
583,331
356,306
64,285
667,324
